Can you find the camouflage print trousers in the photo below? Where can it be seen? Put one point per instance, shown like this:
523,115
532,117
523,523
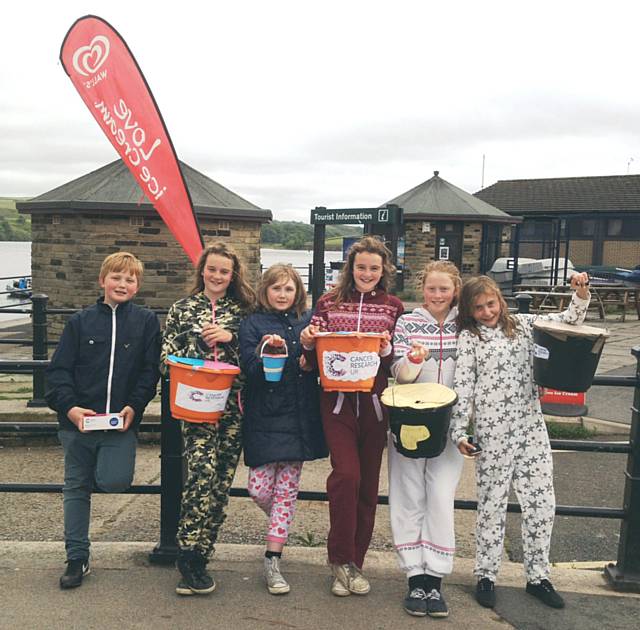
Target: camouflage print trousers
212,452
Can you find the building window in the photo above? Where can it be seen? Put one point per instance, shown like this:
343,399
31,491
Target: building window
136,221
582,227
56,219
624,228
223,225
614,227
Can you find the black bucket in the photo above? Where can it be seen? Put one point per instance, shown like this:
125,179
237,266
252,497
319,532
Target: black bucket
565,357
418,432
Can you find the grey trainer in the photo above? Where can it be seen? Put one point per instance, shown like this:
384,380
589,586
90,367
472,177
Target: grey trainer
276,584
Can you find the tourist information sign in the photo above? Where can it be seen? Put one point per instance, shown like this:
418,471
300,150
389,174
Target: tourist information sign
388,215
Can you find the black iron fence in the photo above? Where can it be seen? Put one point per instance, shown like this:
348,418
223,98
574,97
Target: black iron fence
623,575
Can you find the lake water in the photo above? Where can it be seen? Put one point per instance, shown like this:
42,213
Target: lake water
15,260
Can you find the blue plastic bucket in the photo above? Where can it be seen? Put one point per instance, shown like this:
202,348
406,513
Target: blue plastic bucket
273,364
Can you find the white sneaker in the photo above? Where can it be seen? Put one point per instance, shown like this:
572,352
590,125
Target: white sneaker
358,584
348,579
339,589
276,584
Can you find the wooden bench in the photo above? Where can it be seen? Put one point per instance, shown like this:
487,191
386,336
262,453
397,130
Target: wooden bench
602,295
618,296
557,298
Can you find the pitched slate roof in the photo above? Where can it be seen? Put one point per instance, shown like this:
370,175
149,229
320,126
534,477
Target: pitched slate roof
565,195
438,199
112,187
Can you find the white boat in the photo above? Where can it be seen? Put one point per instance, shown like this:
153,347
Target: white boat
19,288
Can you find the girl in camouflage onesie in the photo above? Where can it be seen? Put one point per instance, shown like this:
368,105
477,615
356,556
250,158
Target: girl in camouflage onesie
212,450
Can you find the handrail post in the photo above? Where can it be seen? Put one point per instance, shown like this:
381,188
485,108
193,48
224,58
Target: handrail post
166,551
624,575
40,352
523,301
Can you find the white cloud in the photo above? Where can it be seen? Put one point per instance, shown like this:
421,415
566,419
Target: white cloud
294,104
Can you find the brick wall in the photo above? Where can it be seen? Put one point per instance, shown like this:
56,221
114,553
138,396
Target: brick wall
581,252
624,254
66,256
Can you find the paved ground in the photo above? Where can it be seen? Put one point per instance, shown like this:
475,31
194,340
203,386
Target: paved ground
124,592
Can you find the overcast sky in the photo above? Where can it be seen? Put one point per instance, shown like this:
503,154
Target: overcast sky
296,104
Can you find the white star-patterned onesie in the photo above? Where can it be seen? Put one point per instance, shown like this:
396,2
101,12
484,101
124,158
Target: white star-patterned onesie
495,387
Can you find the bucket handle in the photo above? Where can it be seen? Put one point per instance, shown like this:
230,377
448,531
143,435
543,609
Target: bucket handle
266,343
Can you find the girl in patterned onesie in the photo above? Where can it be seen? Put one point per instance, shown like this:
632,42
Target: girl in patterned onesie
495,387
421,491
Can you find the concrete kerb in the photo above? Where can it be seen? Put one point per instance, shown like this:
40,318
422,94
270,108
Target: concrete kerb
585,578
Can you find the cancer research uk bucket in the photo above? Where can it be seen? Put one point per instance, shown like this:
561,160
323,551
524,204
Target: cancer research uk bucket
565,357
199,388
348,361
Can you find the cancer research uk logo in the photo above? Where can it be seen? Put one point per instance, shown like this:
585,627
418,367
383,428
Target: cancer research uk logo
200,399
350,366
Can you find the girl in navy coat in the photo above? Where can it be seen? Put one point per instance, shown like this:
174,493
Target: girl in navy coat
282,426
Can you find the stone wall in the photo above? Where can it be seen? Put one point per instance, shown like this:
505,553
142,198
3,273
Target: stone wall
471,243
420,248
68,249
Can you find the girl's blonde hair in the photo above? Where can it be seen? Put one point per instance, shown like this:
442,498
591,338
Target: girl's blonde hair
446,267
471,290
239,289
279,273
369,245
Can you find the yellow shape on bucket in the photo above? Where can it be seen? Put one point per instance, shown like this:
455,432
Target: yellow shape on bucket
410,435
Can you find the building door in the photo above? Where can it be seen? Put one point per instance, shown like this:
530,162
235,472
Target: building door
449,242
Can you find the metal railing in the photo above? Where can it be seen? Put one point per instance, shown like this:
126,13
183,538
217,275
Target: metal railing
623,575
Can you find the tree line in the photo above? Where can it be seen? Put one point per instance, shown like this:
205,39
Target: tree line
298,235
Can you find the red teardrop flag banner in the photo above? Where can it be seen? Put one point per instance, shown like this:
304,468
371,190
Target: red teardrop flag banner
110,82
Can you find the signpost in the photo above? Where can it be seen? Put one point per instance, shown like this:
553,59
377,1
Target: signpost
390,216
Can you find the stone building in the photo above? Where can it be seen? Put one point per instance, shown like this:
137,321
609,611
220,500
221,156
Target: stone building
77,224
596,218
442,221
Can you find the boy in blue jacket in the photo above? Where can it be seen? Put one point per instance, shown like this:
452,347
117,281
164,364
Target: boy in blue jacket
106,363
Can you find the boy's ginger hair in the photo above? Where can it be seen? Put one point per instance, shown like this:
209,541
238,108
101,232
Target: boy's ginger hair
122,261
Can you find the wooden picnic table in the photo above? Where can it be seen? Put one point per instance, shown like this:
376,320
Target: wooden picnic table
557,298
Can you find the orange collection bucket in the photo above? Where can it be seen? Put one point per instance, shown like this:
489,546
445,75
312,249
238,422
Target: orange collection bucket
348,362
199,389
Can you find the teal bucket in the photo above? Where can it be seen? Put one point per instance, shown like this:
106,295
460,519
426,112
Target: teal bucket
273,364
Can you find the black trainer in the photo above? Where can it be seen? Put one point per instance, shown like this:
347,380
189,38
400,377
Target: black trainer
436,606
76,570
415,603
195,578
545,592
486,593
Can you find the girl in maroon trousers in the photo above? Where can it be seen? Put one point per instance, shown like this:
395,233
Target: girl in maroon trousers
355,423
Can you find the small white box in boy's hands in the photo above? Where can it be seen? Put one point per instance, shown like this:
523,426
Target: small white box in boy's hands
103,422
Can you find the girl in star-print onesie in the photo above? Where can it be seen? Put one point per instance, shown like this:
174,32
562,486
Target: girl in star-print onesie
495,387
